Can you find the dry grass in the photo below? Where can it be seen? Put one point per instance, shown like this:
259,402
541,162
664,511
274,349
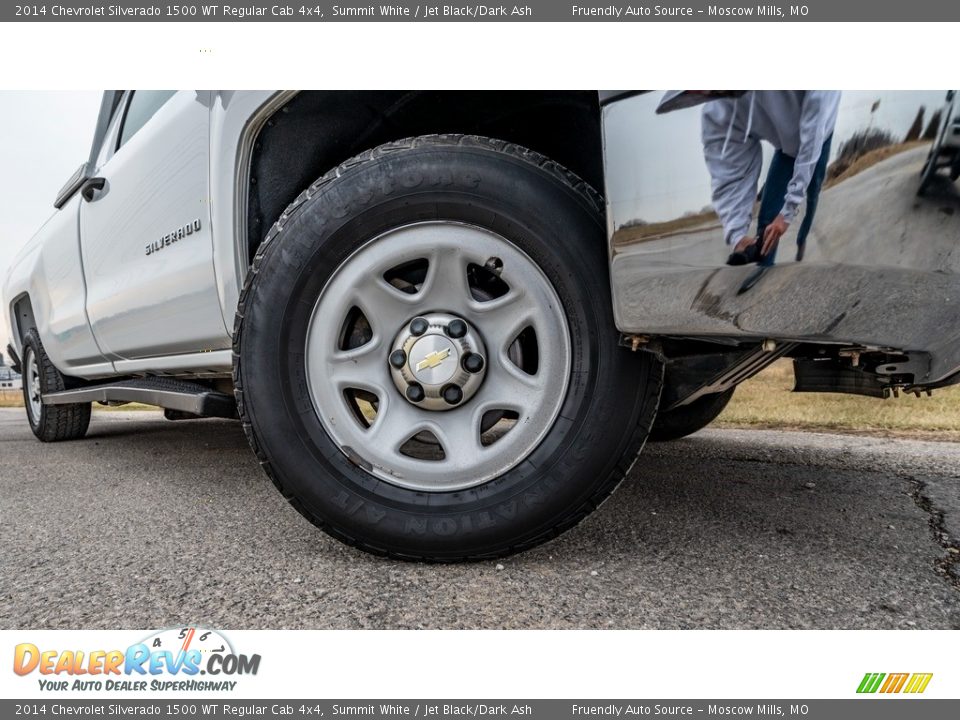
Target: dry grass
701,222
869,159
766,402
11,398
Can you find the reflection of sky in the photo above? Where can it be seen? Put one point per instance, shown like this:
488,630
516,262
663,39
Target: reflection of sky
657,173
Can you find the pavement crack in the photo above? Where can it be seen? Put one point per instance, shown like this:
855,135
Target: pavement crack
948,565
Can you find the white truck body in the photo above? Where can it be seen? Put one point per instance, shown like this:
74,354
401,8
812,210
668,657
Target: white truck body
145,278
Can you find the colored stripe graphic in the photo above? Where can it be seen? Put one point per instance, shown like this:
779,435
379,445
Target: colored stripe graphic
870,682
894,682
918,682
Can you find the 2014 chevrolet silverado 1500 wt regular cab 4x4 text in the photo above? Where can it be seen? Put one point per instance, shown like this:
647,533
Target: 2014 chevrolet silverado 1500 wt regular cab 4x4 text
440,339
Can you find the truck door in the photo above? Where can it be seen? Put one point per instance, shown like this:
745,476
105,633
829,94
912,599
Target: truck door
146,239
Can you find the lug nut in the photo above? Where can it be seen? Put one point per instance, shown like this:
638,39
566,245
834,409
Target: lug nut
398,358
457,329
452,394
472,362
418,326
415,393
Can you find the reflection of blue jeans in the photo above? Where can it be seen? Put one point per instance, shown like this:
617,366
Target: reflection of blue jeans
775,189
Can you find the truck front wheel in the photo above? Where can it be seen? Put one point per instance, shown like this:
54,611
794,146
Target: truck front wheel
425,356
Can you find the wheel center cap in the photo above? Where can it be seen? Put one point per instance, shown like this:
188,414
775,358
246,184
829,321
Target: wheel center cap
434,359
437,361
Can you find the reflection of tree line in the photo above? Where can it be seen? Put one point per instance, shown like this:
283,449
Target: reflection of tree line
637,230
871,145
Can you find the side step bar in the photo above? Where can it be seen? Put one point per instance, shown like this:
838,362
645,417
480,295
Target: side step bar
168,393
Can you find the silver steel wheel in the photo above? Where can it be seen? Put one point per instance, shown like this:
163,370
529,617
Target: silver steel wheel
32,381
477,295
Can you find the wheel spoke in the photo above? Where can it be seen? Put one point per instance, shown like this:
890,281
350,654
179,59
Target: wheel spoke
385,307
503,319
396,423
364,368
507,387
459,436
446,283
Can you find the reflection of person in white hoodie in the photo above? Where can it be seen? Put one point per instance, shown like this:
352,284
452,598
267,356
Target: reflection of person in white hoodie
799,125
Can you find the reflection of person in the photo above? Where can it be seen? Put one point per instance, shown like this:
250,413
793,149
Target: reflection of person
799,125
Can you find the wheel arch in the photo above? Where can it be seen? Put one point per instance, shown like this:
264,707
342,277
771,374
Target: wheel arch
25,295
312,132
30,310
23,316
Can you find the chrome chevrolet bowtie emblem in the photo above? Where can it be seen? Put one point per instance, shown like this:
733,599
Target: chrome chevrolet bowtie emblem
433,359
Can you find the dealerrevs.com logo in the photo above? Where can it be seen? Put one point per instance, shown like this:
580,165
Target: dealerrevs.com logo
171,659
887,684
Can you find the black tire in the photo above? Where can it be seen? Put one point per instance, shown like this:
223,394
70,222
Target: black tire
52,423
688,419
541,208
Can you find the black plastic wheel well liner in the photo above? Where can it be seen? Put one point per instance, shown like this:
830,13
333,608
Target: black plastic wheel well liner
317,130
23,311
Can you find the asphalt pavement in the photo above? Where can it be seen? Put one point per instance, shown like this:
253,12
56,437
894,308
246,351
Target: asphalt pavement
149,523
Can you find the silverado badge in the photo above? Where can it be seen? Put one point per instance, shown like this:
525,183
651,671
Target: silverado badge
170,238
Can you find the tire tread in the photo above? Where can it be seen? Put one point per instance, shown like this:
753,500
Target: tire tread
59,422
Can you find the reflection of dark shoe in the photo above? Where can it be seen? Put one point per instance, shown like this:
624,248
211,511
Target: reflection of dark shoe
750,254
753,278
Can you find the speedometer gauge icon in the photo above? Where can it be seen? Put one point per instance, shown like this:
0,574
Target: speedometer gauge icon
178,640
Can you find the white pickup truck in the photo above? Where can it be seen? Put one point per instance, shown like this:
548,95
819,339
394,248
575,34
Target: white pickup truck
440,341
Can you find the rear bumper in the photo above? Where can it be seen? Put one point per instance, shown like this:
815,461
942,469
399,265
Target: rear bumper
886,308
